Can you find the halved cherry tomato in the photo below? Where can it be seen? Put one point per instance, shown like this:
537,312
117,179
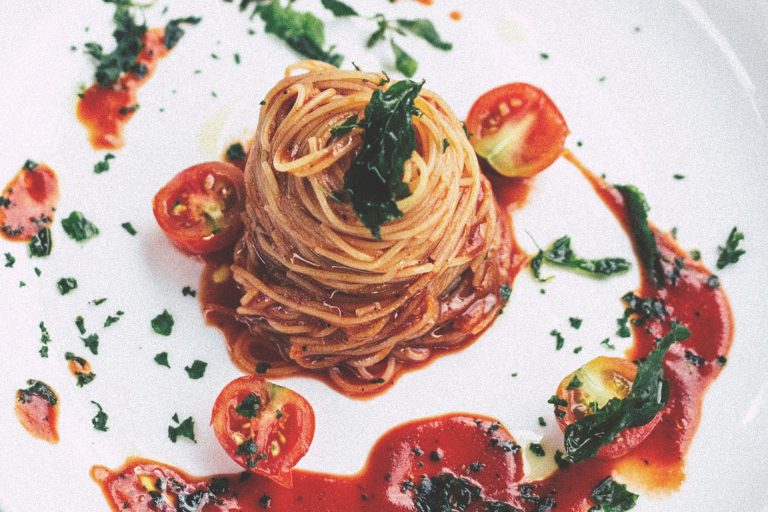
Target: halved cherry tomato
597,382
517,129
264,427
199,209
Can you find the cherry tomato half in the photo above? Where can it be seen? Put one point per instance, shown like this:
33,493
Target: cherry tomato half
597,382
264,427
199,209
517,129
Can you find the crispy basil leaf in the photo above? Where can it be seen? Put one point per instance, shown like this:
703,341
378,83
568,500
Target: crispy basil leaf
560,253
648,396
611,496
339,9
642,234
375,178
424,29
730,253
404,63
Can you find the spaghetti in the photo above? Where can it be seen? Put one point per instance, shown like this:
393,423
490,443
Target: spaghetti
317,287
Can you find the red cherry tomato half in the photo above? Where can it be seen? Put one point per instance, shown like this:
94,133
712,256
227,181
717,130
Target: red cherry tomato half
264,427
199,209
600,380
517,129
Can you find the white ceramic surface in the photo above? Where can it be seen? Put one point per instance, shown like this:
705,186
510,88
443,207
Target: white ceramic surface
687,94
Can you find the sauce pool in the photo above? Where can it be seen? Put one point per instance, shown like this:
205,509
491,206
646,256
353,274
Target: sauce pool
104,111
28,202
37,409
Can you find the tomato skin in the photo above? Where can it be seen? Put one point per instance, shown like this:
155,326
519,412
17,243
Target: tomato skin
200,208
517,128
603,378
279,434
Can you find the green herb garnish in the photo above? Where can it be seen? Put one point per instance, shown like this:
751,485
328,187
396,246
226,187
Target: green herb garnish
163,323
611,496
82,377
100,420
66,285
648,396
425,30
9,260
78,227
41,244
129,228
250,406
404,63
128,35
92,343
184,429
196,370
374,180
174,32
731,253
236,153
80,323
302,31
339,9
537,449
37,388
347,126
162,359
560,253
642,234
575,322
559,340
187,291
103,165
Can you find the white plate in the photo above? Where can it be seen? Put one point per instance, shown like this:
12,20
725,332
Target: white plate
686,94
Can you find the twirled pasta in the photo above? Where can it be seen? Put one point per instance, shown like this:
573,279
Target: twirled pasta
317,286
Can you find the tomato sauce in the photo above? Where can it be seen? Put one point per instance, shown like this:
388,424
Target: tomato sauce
468,457
37,409
455,15
28,202
104,111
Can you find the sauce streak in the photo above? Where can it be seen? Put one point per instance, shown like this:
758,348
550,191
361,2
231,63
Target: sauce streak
28,202
104,111
37,408
460,451
395,473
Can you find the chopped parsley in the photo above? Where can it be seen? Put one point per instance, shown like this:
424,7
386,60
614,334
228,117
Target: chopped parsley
575,383
504,293
374,179
446,144
162,359
623,329
537,449
128,36
103,165
544,56
187,291
695,254
174,31
560,253
45,339
678,176
608,344
559,340
81,369
648,396
611,496
100,420
542,423
97,302
92,343
129,228
731,253
236,153
9,260
575,322
41,244
78,227
113,319
163,323
66,285
80,323
642,235
196,370
37,388
249,407
184,429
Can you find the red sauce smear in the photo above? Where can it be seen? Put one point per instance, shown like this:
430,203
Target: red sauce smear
105,110
455,15
473,450
38,411
28,202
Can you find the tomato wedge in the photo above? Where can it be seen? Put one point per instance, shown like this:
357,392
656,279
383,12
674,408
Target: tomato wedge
199,209
517,129
597,382
264,427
